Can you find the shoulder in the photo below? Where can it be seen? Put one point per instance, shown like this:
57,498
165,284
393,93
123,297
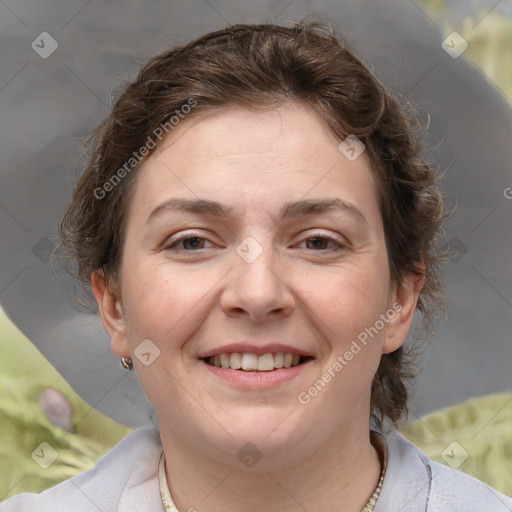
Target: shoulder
126,476
454,490
414,483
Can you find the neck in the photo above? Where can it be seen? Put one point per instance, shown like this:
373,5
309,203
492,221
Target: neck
340,475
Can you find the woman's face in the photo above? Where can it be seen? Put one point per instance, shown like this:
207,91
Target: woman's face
260,266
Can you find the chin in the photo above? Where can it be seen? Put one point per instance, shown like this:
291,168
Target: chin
262,436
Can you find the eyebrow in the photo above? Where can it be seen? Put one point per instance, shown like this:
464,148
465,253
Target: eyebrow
292,209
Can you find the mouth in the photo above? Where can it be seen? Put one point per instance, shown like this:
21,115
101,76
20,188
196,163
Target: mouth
250,362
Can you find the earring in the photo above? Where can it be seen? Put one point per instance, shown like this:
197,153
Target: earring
127,363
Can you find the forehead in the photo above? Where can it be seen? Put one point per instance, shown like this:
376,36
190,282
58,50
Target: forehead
290,133
261,158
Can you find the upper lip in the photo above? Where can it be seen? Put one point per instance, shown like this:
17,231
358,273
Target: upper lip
251,348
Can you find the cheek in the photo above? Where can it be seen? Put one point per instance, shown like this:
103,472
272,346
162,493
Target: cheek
348,308
351,298
163,303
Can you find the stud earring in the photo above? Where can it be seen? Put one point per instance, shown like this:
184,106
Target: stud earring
127,363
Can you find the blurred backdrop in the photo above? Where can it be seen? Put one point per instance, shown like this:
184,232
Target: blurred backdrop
60,61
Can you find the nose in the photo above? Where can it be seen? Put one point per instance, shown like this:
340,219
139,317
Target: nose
257,288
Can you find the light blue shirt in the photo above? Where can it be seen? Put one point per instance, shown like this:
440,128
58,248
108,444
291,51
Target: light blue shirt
126,480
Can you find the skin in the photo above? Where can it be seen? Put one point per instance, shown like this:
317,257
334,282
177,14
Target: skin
302,291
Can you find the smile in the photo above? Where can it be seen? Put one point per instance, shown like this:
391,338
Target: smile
249,362
249,377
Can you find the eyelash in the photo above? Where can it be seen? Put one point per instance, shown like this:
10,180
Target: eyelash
188,236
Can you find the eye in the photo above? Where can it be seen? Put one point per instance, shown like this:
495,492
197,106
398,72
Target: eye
319,242
189,243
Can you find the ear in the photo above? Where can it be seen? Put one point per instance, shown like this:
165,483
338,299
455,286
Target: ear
404,297
111,313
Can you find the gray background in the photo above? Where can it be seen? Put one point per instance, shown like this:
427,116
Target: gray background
48,105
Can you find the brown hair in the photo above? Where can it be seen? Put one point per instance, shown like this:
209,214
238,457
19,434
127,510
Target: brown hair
264,66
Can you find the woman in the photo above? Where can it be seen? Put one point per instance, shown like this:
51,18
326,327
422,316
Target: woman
259,227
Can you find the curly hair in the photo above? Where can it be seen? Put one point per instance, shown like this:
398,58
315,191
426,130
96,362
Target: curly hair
264,66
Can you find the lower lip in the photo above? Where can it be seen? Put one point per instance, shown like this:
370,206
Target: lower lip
257,380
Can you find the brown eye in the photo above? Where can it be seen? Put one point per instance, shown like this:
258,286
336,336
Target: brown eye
317,242
193,242
187,244
321,243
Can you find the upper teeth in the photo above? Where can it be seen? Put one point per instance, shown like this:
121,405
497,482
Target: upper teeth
252,362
